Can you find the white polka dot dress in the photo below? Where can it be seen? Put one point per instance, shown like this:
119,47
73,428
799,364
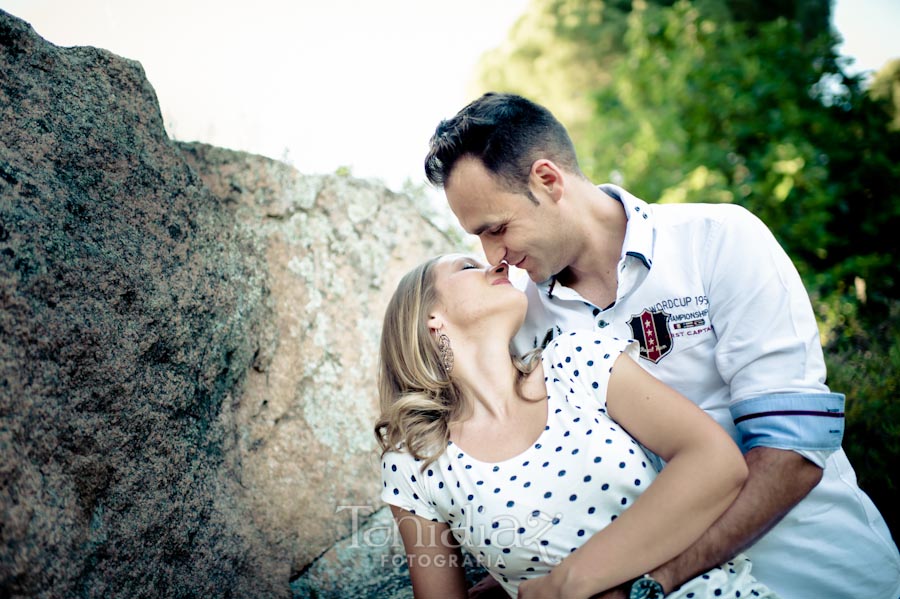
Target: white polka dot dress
522,516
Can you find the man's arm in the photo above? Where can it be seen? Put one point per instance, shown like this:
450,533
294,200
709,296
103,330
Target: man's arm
777,481
768,352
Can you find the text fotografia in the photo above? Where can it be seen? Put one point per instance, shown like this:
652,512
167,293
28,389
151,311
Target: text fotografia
424,560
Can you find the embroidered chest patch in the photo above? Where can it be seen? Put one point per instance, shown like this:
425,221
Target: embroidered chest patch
651,330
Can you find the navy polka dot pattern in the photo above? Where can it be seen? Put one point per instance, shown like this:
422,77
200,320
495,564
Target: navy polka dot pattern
525,514
732,579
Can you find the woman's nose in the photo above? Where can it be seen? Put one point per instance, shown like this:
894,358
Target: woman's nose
499,269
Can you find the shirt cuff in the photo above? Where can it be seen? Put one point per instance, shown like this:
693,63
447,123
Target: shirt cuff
798,421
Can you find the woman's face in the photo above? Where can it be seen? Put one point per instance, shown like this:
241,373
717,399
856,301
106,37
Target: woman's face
472,295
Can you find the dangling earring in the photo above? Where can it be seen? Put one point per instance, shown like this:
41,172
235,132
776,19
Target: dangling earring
446,352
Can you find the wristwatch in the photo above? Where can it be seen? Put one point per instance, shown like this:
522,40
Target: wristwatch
646,587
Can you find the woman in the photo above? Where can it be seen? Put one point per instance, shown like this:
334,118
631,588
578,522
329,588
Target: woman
534,467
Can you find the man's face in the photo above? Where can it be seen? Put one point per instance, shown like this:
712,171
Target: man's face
510,225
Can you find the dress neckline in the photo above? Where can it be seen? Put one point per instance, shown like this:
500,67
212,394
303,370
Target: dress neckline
533,446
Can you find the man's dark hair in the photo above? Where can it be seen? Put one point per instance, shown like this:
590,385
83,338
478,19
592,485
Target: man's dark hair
507,133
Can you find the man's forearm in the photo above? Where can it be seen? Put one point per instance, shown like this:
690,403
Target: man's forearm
778,480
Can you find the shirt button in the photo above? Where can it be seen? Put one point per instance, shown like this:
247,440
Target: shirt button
602,324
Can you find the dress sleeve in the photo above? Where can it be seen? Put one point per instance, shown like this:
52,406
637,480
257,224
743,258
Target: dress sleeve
768,349
403,485
585,359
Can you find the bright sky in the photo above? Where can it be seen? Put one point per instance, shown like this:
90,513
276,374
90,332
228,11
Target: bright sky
331,83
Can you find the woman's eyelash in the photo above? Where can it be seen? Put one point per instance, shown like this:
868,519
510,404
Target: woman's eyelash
468,265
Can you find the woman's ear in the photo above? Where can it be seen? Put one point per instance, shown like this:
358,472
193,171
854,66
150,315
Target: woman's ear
435,322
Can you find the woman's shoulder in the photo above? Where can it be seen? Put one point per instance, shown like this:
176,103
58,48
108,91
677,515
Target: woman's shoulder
586,340
400,459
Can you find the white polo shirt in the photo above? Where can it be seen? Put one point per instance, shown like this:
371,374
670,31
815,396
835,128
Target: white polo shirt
722,316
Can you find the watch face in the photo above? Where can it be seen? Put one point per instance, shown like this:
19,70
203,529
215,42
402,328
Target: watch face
646,588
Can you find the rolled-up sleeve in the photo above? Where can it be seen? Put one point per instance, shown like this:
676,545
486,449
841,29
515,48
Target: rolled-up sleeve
806,421
768,349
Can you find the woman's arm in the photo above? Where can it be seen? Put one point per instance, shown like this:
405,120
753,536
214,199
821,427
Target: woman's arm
704,473
435,561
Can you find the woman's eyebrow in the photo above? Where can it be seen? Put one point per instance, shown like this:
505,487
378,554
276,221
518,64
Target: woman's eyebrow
462,260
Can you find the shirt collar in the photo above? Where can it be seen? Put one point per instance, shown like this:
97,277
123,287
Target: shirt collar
639,228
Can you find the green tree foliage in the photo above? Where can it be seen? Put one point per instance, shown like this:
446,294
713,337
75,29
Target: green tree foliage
748,103
700,111
560,51
867,370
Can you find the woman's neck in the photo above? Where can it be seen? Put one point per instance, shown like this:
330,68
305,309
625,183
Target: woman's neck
487,375
510,414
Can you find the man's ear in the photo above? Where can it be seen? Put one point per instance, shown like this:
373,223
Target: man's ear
548,178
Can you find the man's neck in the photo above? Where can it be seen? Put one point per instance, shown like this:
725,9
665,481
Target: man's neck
593,274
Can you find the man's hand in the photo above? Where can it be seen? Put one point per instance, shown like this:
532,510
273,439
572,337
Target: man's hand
544,587
487,588
778,480
620,592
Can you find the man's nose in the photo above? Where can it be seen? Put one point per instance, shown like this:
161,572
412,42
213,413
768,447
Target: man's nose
493,251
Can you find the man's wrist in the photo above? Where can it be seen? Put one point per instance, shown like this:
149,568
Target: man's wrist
664,576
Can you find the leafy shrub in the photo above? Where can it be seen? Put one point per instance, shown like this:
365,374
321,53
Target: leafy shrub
865,366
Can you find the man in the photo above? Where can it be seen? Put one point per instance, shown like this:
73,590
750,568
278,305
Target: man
721,315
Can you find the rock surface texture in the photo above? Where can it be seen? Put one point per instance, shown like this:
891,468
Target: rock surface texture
188,340
335,248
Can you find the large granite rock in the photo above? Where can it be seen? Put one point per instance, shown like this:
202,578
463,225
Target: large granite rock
186,361
131,308
335,248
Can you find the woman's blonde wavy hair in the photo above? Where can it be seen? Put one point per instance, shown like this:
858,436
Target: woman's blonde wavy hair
418,399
